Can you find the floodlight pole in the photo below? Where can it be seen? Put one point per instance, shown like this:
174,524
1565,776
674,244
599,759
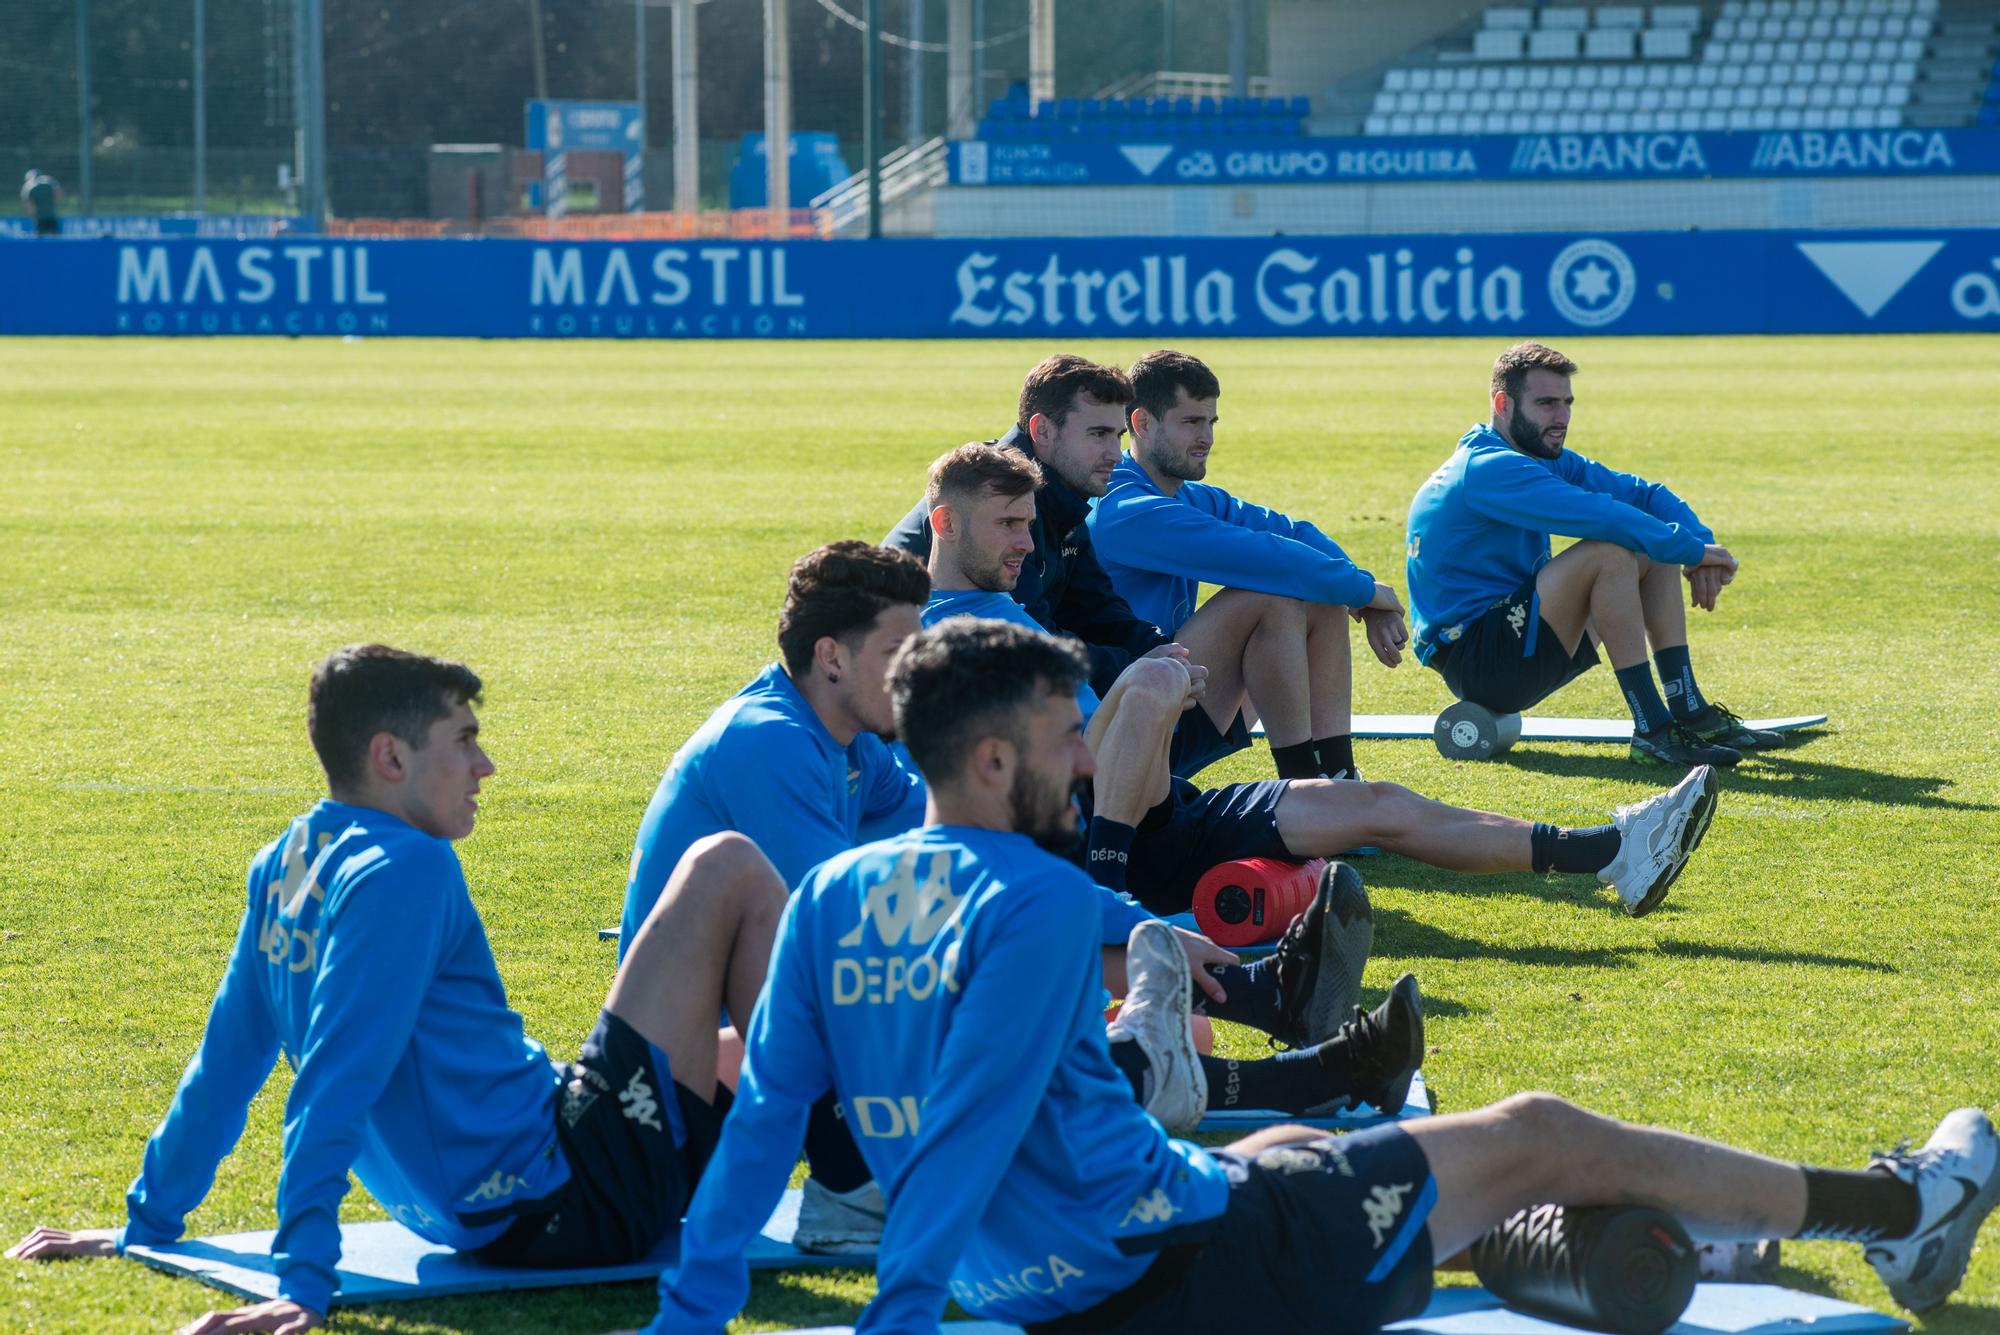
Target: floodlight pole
85,195
978,40
1041,53
960,105
871,114
1239,48
913,98
541,60
1167,37
687,128
778,114
200,107
309,85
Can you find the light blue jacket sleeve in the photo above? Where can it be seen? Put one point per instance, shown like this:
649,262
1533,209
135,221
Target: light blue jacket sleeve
1023,988
1519,491
379,946
1213,537
895,798
1119,914
205,1120
779,798
1652,497
785,1070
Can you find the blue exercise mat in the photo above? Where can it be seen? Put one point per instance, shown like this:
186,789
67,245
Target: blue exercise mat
1717,1309
384,1262
1245,1120
1389,727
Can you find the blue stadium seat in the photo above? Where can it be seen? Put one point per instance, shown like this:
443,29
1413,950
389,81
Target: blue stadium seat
1163,106
999,109
1207,107
1989,115
1237,127
988,129
1184,106
1067,109
1114,106
1301,107
1091,108
1232,106
1044,109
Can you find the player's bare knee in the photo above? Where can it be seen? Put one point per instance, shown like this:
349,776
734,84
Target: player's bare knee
1611,560
726,865
1280,613
1156,683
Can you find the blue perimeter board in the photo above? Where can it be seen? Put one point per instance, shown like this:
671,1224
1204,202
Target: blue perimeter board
1717,1309
382,1261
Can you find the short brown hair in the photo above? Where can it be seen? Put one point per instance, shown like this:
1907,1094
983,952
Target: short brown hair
1052,388
967,678
839,590
1511,371
1158,375
364,689
979,469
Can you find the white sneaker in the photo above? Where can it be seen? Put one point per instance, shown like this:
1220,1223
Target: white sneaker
1957,1177
1158,996
840,1223
1658,836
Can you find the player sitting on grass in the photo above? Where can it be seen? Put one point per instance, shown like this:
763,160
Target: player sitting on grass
362,960
982,498
1026,1184
1506,626
1274,638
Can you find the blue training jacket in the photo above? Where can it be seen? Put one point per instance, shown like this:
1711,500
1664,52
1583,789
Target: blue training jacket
1479,527
947,603
362,960
945,985
765,766
1158,549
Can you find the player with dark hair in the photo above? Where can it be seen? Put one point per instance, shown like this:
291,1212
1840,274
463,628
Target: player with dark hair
1026,1184
362,961
1274,636
1158,834
1506,626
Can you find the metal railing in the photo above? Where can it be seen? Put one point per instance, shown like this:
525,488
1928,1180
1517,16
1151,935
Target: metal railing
907,170
1179,83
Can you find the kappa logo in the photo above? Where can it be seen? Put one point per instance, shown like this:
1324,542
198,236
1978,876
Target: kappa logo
1291,1161
1383,1207
1517,617
640,1105
902,908
576,1100
853,782
495,1188
1155,1207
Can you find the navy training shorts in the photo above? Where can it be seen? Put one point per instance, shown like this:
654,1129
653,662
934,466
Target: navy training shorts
1197,743
1195,829
1509,658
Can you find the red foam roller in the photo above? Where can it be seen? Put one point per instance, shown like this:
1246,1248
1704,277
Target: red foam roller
1252,900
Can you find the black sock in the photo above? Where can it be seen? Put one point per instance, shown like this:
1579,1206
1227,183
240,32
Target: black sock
1557,849
1130,1059
1649,713
1297,761
1858,1207
1684,698
835,1160
1253,994
1290,1082
1110,850
1336,754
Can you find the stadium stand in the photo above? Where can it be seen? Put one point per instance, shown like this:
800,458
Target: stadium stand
1757,65
1014,119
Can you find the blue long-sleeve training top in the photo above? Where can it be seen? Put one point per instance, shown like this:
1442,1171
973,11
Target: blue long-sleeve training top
944,984
764,766
1121,913
363,961
1159,549
1480,526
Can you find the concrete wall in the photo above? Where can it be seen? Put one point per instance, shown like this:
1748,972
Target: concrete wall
1315,43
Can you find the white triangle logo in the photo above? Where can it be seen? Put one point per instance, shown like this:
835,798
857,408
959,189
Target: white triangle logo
1146,157
1870,273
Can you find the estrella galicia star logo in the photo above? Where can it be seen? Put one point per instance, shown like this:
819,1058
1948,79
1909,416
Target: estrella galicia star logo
1592,283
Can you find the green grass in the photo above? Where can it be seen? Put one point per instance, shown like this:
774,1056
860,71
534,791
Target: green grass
603,529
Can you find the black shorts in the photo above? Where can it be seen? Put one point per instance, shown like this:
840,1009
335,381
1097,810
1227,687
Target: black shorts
1197,744
1325,1237
1195,829
1509,658
634,1160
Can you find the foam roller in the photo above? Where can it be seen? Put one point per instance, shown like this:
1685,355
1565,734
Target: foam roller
1627,1270
1253,900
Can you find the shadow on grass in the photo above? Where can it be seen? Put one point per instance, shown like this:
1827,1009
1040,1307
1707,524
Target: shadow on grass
1397,933
1771,775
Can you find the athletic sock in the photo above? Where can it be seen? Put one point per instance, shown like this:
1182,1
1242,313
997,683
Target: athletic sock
1290,1082
1253,995
1867,1206
835,1159
1554,848
1297,761
1336,755
1110,851
1649,713
1130,1059
1677,681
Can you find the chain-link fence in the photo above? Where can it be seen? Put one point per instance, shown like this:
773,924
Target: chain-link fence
159,106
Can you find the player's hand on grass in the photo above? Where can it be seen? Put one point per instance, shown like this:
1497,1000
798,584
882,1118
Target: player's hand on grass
1201,953
1386,635
55,1244
277,1317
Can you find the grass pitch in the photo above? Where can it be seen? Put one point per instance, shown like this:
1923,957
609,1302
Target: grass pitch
602,530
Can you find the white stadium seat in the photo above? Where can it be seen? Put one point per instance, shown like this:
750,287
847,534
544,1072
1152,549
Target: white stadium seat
1658,76
1396,80
1420,80
1565,19
1666,43
1423,125
1489,79
1608,44
1514,76
1539,77
1402,125
1560,44
1678,16
1723,30
1490,45
1510,17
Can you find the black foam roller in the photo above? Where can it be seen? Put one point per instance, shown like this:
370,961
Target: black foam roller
1627,1270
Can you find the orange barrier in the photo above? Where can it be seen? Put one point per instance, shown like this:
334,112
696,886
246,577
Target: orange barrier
714,224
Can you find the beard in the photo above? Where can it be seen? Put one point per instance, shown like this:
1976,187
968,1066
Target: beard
1531,440
1181,466
1046,813
991,577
